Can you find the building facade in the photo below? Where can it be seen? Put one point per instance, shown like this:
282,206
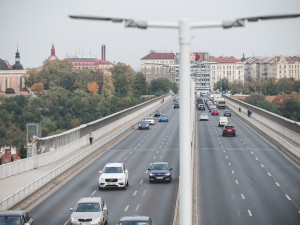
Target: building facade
12,76
226,67
288,67
158,65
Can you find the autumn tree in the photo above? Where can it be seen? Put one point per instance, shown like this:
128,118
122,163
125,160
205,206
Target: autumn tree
83,77
75,122
93,87
107,85
31,77
38,88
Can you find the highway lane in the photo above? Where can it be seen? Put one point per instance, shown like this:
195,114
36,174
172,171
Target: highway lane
243,179
138,150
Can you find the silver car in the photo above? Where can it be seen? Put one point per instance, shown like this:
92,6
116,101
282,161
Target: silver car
150,120
90,210
203,116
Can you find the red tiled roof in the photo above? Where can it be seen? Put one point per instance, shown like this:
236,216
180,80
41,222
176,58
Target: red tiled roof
221,59
153,55
6,158
292,59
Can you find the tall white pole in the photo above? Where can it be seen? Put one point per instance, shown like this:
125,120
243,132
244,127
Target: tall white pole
185,182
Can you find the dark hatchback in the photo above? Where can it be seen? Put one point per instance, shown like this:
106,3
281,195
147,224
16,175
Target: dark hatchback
15,217
160,172
157,113
176,105
227,113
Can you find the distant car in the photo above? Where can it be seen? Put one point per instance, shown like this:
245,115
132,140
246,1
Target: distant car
227,113
135,220
90,210
20,217
228,130
176,105
157,113
113,175
150,120
212,107
223,121
215,112
201,107
160,171
163,118
143,125
203,116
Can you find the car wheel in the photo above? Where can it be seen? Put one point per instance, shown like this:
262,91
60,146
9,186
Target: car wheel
223,135
234,135
127,183
100,188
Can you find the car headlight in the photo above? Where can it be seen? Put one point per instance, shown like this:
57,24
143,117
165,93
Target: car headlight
97,219
73,219
121,179
167,174
151,174
101,180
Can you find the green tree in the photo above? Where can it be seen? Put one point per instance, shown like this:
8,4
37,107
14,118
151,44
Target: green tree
291,109
236,87
107,85
123,77
285,85
160,86
139,85
255,98
31,77
23,152
83,78
271,87
224,82
10,91
269,106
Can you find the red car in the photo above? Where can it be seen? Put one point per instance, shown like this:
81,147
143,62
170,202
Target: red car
214,112
228,130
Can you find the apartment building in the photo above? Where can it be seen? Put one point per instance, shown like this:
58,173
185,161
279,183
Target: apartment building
158,65
226,67
287,67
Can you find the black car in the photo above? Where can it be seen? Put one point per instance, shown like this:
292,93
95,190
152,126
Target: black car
227,113
176,105
160,172
157,113
128,220
143,125
20,217
201,107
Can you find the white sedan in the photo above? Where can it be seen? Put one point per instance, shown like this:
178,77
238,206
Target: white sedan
150,120
203,116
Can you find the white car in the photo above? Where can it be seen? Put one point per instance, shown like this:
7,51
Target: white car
150,120
90,210
113,175
203,116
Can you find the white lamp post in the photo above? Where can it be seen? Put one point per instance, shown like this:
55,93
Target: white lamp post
184,26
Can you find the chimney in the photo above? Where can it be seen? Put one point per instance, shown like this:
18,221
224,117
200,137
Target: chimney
103,52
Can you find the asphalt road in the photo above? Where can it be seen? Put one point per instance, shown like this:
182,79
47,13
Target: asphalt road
138,150
244,179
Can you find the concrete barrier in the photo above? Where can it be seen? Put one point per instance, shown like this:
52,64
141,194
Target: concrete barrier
53,148
267,122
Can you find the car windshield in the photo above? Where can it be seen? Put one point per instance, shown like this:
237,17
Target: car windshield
149,118
163,115
159,167
203,114
143,122
10,220
113,170
133,223
229,127
87,207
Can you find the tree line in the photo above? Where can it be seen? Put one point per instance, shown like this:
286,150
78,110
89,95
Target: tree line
66,98
287,100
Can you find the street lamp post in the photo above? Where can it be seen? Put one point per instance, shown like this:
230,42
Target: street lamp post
184,26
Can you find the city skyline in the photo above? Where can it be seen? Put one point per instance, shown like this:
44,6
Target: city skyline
34,26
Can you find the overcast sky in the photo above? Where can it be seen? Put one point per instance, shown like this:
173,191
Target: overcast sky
37,24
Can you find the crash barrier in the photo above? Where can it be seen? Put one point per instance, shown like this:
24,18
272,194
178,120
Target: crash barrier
20,195
267,121
52,148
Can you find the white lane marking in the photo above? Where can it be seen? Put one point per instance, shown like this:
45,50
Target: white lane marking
243,197
239,212
229,164
154,157
141,181
126,208
159,146
144,192
226,157
262,166
232,171
157,152
256,158
236,181
134,194
249,212
93,194
251,152
224,151
269,174
278,185
137,207
288,197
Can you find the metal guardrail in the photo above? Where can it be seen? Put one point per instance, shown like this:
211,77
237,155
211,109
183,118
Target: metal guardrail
20,195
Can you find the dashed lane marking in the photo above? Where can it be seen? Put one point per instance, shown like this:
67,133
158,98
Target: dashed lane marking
126,208
249,212
134,194
141,181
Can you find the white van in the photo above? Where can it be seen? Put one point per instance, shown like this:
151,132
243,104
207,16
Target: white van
223,121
